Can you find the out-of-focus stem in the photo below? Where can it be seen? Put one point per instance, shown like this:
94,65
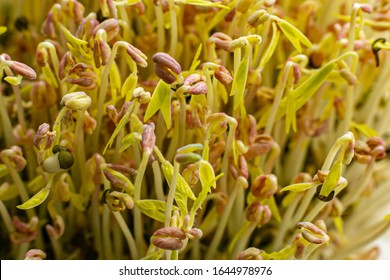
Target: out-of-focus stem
128,236
137,196
212,250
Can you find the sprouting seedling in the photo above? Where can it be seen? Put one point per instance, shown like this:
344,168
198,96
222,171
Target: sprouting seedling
241,66
137,58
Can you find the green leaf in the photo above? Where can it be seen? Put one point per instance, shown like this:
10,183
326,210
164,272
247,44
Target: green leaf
129,185
3,170
200,199
294,35
8,192
183,190
128,87
14,80
306,90
202,195
152,208
206,174
129,140
79,201
339,225
291,120
190,148
288,199
203,3
240,78
195,62
271,47
274,208
36,184
332,179
303,92
161,99
121,125
115,83
154,255
300,187
36,200
283,254
365,129
222,92
76,43
220,16
49,76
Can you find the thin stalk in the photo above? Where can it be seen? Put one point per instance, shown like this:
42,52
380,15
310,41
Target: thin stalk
171,194
352,196
212,250
362,239
6,218
174,31
22,250
171,255
278,97
57,249
288,215
18,101
128,236
225,160
19,185
80,149
158,183
210,91
106,239
160,28
240,241
103,92
96,223
118,242
137,196
182,120
174,143
6,123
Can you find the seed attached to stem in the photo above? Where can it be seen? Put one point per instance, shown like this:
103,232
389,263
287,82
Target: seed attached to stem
61,160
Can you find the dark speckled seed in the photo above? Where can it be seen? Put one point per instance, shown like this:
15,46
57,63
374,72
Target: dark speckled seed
322,197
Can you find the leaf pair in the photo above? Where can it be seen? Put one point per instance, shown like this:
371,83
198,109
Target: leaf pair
152,208
294,35
161,100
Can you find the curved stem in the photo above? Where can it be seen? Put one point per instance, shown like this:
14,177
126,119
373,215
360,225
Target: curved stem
128,236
